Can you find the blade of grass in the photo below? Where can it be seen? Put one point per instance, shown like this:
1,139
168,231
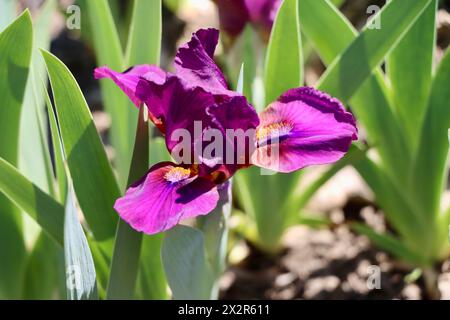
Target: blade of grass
95,186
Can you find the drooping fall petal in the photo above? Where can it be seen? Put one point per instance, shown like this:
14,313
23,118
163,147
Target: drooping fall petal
166,195
304,127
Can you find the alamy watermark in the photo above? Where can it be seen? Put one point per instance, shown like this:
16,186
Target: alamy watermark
73,21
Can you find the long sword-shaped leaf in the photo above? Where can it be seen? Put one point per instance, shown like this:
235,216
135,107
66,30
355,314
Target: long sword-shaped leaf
331,33
15,55
388,242
284,61
215,231
34,160
144,46
80,270
125,263
43,268
356,64
130,245
109,52
47,212
152,283
410,68
186,264
430,167
93,179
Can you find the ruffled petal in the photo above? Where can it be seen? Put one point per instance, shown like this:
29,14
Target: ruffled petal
304,127
194,63
128,80
167,194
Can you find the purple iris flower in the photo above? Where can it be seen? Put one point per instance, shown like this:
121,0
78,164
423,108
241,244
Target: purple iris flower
303,127
235,14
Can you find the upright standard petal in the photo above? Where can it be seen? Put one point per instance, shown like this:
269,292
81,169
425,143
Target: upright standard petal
128,80
304,127
194,63
178,108
237,120
166,195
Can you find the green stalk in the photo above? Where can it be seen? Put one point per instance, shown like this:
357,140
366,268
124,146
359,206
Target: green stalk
125,262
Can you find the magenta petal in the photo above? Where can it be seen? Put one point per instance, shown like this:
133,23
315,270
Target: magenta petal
304,127
241,119
194,63
233,16
263,12
163,197
128,80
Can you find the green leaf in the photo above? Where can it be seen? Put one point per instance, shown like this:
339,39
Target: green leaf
284,61
214,227
80,270
152,284
186,265
402,214
127,249
43,268
34,160
15,48
109,52
410,68
144,46
57,150
330,33
430,168
388,242
45,210
95,185
301,196
355,64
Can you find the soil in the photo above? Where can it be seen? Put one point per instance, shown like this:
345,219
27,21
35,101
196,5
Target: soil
325,264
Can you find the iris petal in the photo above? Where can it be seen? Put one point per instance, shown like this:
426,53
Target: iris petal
304,127
194,63
166,195
128,80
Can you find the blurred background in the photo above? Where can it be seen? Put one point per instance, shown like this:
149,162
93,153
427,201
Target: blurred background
316,262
